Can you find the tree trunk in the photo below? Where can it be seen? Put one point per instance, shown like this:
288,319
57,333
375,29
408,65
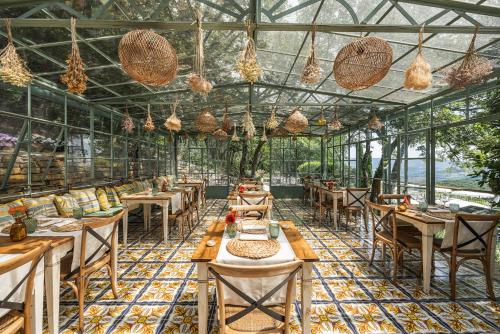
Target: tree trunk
243,161
257,155
366,167
379,172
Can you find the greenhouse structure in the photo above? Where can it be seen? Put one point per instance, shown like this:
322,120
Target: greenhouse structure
249,166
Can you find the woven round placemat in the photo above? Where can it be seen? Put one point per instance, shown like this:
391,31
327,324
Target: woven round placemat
253,249
71,227
441,215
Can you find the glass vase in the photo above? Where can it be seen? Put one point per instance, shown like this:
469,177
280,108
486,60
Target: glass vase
18,230
31,224
231,230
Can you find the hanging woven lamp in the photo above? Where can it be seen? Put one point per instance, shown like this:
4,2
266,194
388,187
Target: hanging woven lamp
362,63
375,123
205,121
247,65
235,137
472,70
312,71
227,123
272,123
149,125
148,58
12,67
196,79
322,120
173,123
127,123
248,126
75,77
418,75
335,124
280,132
220,134
296,122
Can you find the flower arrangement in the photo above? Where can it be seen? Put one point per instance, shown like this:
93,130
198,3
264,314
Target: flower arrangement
127,123
17,211
7,140
312,71
12,67
231,218
149,125
75,77
241,189
196,80
247,65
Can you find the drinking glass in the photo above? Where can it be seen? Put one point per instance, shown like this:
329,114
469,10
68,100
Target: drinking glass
274,230
454,207
78,213
422,205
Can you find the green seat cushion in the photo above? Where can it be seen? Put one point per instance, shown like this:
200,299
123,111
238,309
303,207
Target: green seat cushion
108,213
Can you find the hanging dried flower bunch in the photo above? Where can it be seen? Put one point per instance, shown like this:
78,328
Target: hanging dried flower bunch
12,67
173,123
335,123
264,136
312,71
227,123
272,122
375,123
248,127
201,136
472,70
196,79
127,123
247,65
75,77
419,75
206,121
235,137
220,135
296,122
149,125
322,120
280,132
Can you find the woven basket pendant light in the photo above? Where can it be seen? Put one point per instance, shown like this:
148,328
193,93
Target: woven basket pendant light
418,75
173,123
362,63
335,124
220,134
12,67
148,58
227,123
205,121
296,122
196,80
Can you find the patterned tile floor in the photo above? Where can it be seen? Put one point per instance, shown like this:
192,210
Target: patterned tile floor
157,287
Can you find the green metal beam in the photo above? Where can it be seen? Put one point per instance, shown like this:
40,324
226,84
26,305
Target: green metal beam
12,161
457,5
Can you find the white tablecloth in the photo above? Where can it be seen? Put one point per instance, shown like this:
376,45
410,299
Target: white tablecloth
12,278
176,202
256,287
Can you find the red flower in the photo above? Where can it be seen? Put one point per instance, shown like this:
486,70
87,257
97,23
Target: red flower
406,200
230,218
17,209
241,189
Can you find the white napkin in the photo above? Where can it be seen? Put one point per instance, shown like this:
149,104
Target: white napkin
251,236
437,210
253,228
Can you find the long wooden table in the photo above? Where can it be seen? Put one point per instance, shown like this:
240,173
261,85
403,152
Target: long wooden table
198,184
335,195
205,254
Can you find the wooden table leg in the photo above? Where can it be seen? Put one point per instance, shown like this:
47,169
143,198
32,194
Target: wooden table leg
164,207
114,260
335,211
427,237
125,223
306,297
320,207
492,258
202,297
311,201
147,216
52,281
37,303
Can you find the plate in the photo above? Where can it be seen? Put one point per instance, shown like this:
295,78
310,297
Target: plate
210,243
285,226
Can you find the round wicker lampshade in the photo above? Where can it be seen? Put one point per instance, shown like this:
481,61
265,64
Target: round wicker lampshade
296,122
362,63
148,57
206,121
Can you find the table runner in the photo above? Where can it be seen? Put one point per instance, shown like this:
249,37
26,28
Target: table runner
256,287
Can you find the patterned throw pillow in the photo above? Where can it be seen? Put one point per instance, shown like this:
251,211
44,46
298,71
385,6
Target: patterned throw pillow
86,199
138,186
113,198
65,205
5,218
42,206
122,190
102,197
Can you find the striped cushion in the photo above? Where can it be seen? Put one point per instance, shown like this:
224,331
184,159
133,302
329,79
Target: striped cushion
113,198
42,206
138,186
122,190
86,199
65,205
147,184
5,218
107,213
102,197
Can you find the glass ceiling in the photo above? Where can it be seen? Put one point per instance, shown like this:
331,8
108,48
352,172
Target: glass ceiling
45,43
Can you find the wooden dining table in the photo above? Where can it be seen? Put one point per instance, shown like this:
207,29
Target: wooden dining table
198,184
335,195
204,254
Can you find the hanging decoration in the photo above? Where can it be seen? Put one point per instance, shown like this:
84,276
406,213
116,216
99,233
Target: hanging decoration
127,123
201,136
419,75
280,132
148,58
362,63
170,137
227,123
220,134
264,136
335,123
312,71
173,123
74,78
375,123
322,120
472,70
248,126
205,121
235,137
12,67
149,125
272,123
196,80
247,65
296,122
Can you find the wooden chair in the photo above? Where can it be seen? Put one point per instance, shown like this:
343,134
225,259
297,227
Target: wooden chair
79,277
255,318
18,319
257,198
385,230
247,211
356,198
470,237
177,216
194,205
184,216
395,199
306,188
324,207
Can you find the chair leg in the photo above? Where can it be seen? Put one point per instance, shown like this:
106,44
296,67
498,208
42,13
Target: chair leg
81,303
489,282
395,260
112,274
383,253
453,278
373,251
